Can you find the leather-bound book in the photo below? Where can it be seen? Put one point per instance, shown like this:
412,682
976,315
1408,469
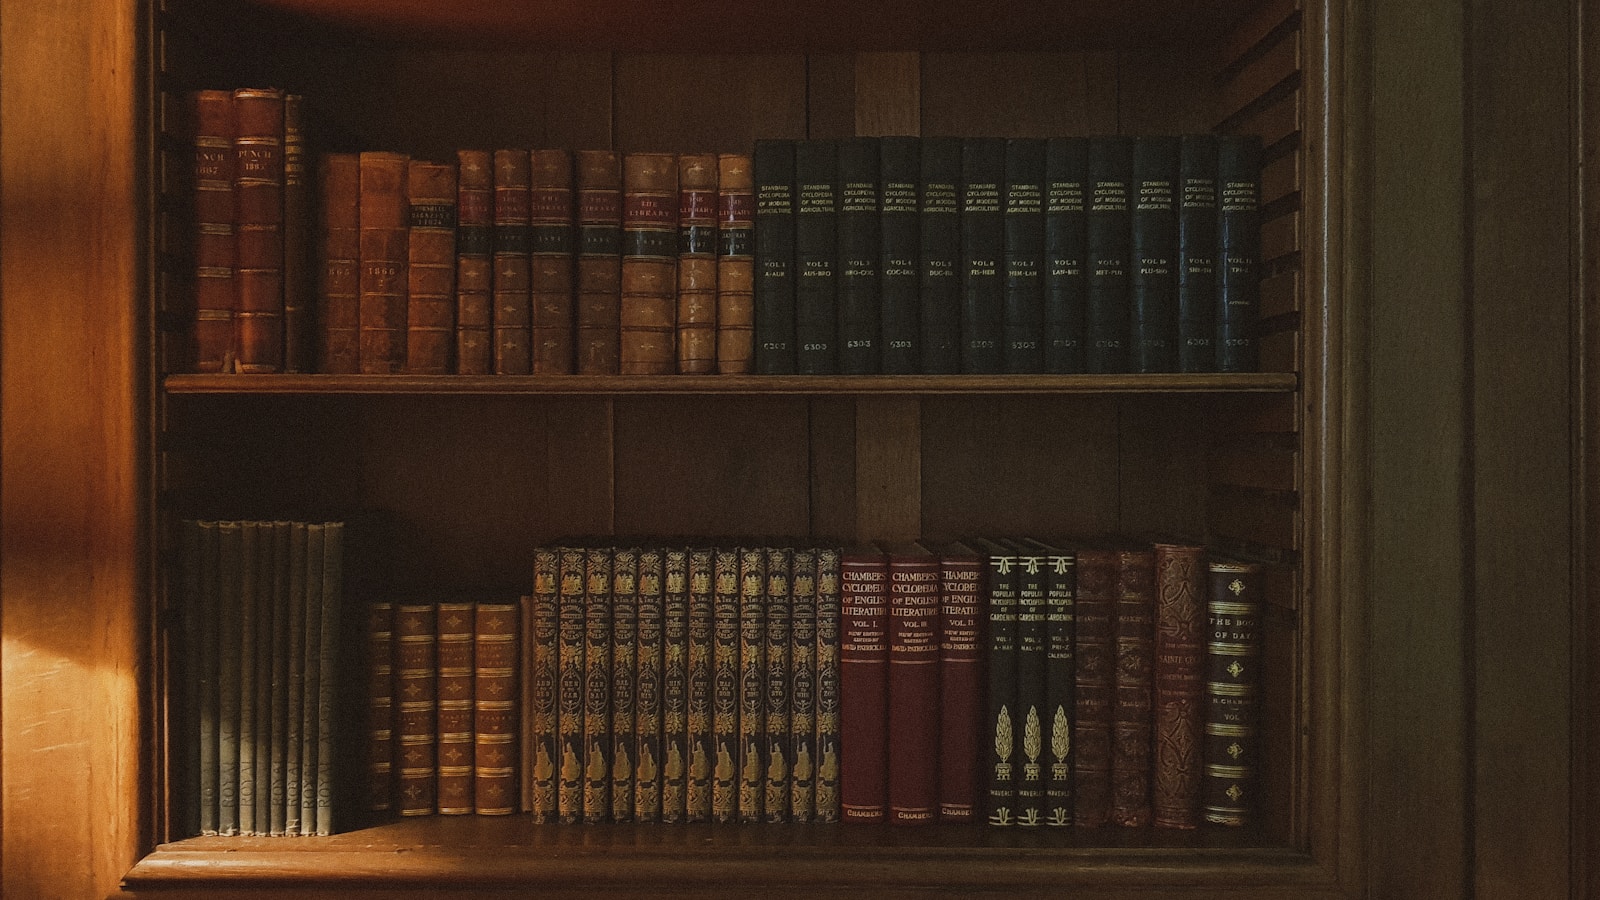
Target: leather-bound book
961,688
599,261
828,688
625,649
649,263
1061,582
380,707
725,687
258,198
299,343
1001,721
802,802
1179,684
552,262
864,684
230,624
571,682
277,686
1238,252
1094,646
1130,738
1031,717
859,238
1106,317
939,246
215,244
697,264
1066,166
385,231
1153,266
249,641
1197,253
982,262
752,758
541,748
647,695
328,746
454,687
816,249
416,673
674,755
736,302
779,777
596,759
772,167
900,336
1022,350
294,705
474,262
513,316
1232,700
494,708
339,264
700,752
431,273
913,684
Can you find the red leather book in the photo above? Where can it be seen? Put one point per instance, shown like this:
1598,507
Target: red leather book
454,649
863,684
752,683
215,247
725,681
802,801
571,683
674,755
494,708
649,262
385,232
597,686
416,671
647,683
736,302
1130,740
474,262
700,751
961,616
299,343
828,688
913,684
380,707
624,654
1232,700
779,749
541,751
339,264
1094,651
431,273
550,265
1179,685
697,263
599,261
258,198
512,313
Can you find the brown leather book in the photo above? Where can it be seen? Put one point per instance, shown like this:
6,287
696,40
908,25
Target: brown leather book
380,707
541,750
649,262
1130,738
674,755
961,686
779,748
599,261
701,750
475,262
258,195
624,655
828,707
571,681
431,273
863,684
1232,686
215,248
725,680
385,230
752,756
597,686
550,273
736,302
299,344
455,692
1179,683
1094,652
913,684
512,314
339,264
416,673
496,644
648,661
697,263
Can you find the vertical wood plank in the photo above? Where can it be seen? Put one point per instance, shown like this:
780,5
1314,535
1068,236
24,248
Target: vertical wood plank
888,468
888,94
580,465
1586,633
830,95
833,468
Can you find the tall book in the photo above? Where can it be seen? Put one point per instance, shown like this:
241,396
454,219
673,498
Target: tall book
1179,684
1232,698
266,626
495,639
380,706
1001,721
599,191
939,248
983,163
1130,740
899,160
453,649
282,589
700,751
697,264
552,245
864,684
828,687
1197,253
329,743
430,275
1065,253
625,647
816,231
541,748
474,262
961,688
415,676
725,686
736,226
311,760
1022,350
649,661
245,663
1106,312
772,168
913,700
258,198
1153,264
1031,716
752,757
779,748
385,232
859,238
1238,252
230,625
294,706
674,733
513,239
215,246
339,270
649,263
1094,651
571,682
1061,585
802,721
299,344
597,642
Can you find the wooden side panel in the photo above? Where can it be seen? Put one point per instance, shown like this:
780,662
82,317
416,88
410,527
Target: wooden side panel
683,103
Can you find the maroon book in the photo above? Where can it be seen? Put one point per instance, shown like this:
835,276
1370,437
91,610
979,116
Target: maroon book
550,266
599,288
454,731
1130,713
1232,702
913,684
1179,685
863,684
431,275
339,264
1095,657
214,246
512,315
475,262
298,343
961,684
385,242
258,189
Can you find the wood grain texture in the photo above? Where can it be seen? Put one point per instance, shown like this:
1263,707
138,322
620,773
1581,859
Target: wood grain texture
888,94
966,94
690,103
888,469
1586,627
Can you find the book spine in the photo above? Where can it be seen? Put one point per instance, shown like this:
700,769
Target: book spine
281,626
230,624
495,653
1130,741
597,686
208,639
802,801
416,671
864,685
384,248
571,683
649,263
258,188
900,335
1153,264
599,262
939,247
1179,684
453,709
1232,683
475,262
339,275
551,262
430,274
772,167
215,243
185,595
328,686
674,735
736,226
266,626
828,693
299,344
513,238
982,248
294,706
1000,580
778,780
752,683
625,649
961,688
1032,637
249,617
697,264
1197,253
1060,617
1238,252
647,692
816,256
913,687
725,681
1106,317
700,750
1066,250
859,239
1022,350
541,747
1095,652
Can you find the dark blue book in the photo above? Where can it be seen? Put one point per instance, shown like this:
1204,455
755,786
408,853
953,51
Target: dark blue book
1023,257
1107,319
816,299
772,168
1239,252
1153,280
983,171
900,339
940,252
1197,253
860,230
1066,251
